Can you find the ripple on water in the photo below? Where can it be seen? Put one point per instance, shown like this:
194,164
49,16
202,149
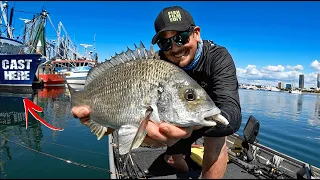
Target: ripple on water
289,123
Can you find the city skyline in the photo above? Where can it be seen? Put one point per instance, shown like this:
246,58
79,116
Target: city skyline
283,85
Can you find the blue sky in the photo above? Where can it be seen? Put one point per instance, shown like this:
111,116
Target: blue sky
269,41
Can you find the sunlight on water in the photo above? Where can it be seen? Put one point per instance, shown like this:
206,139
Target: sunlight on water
289,123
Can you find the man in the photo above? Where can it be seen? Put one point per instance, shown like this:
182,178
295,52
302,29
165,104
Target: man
213,68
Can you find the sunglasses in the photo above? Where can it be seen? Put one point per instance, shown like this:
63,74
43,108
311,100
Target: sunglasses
180,39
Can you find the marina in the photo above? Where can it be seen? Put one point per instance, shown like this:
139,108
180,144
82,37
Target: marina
279,136
69,157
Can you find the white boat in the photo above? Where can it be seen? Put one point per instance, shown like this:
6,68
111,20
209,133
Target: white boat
296,91
252,87
70,63
274,89
75,71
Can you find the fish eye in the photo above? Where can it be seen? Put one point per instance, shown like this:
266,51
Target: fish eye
190,95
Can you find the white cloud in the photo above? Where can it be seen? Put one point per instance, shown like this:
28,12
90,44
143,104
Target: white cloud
271,75
316,65
295,68
278,68
250,70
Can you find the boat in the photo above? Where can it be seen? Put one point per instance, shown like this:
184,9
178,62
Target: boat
295,91
68,63
248,159
271,88
75,71
49,77
19,62
252,87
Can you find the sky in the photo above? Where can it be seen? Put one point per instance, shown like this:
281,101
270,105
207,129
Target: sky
269,41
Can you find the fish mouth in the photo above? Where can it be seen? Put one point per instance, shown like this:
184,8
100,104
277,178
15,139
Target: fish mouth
214,115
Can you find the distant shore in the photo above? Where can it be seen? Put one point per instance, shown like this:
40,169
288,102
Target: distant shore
303,92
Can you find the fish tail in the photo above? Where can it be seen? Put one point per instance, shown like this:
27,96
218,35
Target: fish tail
74,95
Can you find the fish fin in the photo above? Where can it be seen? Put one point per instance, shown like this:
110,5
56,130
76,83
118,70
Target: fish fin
140,53
97,129
74,95
131,137
152,53
72,91
138,135
155,114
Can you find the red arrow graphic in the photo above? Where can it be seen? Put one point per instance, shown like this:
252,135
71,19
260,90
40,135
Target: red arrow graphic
31,107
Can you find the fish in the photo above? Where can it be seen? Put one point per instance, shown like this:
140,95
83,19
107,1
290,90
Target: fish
133,87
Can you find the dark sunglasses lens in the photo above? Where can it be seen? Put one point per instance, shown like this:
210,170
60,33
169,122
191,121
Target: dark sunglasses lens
164,44
182,38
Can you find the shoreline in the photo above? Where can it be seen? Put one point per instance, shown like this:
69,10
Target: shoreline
311,93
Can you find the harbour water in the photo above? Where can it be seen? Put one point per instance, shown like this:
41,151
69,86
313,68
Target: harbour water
39,152
289,123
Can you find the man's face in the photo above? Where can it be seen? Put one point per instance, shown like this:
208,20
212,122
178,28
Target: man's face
182,55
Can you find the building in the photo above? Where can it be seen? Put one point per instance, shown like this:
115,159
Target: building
288,86
280,85
301,81
318,81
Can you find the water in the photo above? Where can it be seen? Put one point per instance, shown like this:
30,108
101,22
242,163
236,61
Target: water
289,123
65,151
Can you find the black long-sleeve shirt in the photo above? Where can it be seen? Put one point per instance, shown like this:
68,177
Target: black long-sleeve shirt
216,73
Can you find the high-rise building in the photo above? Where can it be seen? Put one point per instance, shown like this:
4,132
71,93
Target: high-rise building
288,86
281,85
301,81
318,81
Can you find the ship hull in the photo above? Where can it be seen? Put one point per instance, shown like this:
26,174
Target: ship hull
18,70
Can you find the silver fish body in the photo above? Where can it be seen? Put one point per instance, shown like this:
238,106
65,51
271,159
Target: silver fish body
132,88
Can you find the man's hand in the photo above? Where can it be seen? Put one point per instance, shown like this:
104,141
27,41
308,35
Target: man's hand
158,135
83,113
165,134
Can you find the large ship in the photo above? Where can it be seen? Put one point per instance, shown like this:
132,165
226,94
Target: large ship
66,63
20,57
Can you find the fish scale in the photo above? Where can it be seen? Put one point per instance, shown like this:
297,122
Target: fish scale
133,87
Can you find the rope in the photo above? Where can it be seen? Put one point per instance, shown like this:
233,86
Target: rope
25,12
62,159
67,38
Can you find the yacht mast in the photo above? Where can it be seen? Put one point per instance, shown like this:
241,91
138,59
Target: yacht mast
3,8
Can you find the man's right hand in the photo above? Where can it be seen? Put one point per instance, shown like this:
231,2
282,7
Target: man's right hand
159,135
83,113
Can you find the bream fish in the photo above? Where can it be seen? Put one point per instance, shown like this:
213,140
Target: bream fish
133,87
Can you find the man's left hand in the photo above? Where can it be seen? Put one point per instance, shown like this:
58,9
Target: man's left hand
166,134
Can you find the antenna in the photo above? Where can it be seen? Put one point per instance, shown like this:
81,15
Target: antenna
94,47
26,21
86,47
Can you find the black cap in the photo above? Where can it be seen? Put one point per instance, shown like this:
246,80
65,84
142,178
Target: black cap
173,18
